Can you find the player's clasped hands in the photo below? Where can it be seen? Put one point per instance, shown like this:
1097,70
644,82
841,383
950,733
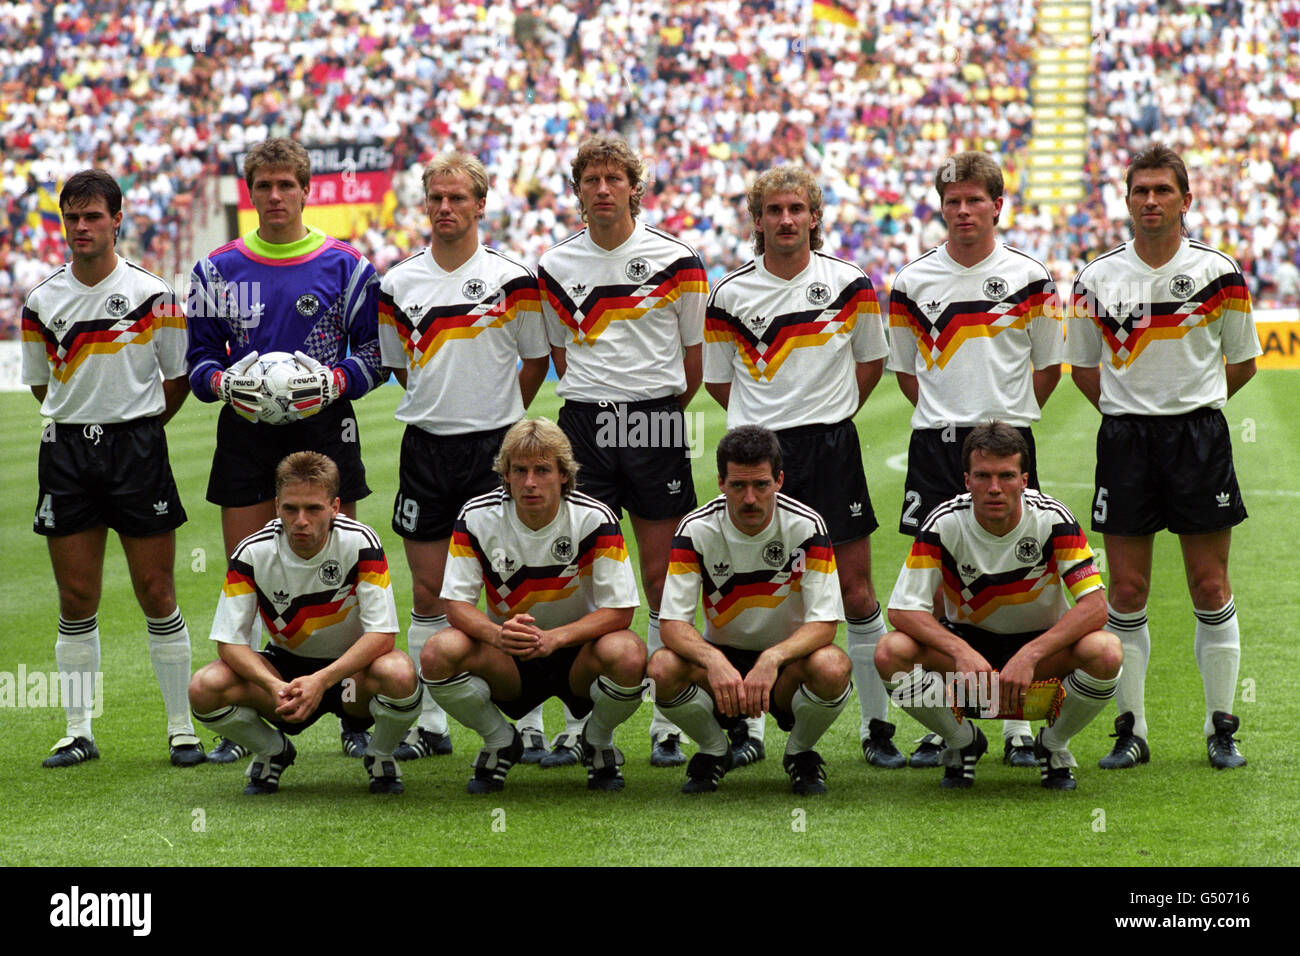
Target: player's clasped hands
298,699
520,637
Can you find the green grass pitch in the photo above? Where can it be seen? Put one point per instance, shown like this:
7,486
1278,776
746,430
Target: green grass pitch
131,808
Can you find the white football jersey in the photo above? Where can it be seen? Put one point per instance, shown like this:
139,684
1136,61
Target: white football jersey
973,337
757,589
1161,336
623,315
1007,584
790,347
460,335
313,607
575,565
103,350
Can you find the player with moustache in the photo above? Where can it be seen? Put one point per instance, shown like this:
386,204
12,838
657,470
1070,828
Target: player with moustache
794,343
765,569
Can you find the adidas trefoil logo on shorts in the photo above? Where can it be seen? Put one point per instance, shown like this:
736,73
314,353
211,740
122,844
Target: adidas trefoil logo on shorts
674,486
855,509
160,507
1222,498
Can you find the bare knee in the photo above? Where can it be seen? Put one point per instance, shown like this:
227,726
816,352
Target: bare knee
622,657
210,685
1127,594
157,594
393,674
1210,591
668,672
828,672
79,599
444,653
894,654
1103,655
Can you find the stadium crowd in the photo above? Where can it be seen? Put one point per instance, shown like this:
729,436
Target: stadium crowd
162,95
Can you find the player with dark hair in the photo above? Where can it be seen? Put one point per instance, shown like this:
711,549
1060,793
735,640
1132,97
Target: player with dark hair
794,343
319,583
975,333
765,565
1158,310
624,308
1003,557
104,354
283,287
560,597
456,312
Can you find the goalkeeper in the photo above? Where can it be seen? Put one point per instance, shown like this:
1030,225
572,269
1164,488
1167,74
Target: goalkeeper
283,287
1004,556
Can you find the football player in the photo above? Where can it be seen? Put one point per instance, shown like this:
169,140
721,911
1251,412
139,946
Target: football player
104,354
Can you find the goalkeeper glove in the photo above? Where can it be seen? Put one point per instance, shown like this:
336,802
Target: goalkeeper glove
317,387
238,389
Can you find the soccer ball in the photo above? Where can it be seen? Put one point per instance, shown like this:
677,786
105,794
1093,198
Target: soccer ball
274,370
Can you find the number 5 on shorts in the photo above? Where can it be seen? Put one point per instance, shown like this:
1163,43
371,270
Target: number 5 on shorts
1099,506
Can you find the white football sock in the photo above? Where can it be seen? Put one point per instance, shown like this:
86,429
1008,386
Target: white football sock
169,650
812,717
660,725
469,699
692,710
393,717
531,722
860,638
244,726
432,717
1218,654
611,704
1134,635
76,652
922,694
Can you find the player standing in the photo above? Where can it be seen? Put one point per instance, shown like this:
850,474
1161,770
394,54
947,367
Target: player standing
1168,320
560,596
283,287
624,308
454,319
319,583
975,333
794,343
765,565
104,354
1003,557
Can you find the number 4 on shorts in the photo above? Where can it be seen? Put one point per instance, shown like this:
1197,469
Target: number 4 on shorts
45,513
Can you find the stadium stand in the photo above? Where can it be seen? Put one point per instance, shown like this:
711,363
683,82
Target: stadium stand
163,94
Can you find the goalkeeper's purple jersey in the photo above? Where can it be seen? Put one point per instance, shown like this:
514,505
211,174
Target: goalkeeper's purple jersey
317,295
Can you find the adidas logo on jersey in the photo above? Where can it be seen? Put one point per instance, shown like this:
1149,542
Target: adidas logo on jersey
721,568
967,571
674,486
1223,498
160,507
280,597
578,290
855,509
931,307
414,310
